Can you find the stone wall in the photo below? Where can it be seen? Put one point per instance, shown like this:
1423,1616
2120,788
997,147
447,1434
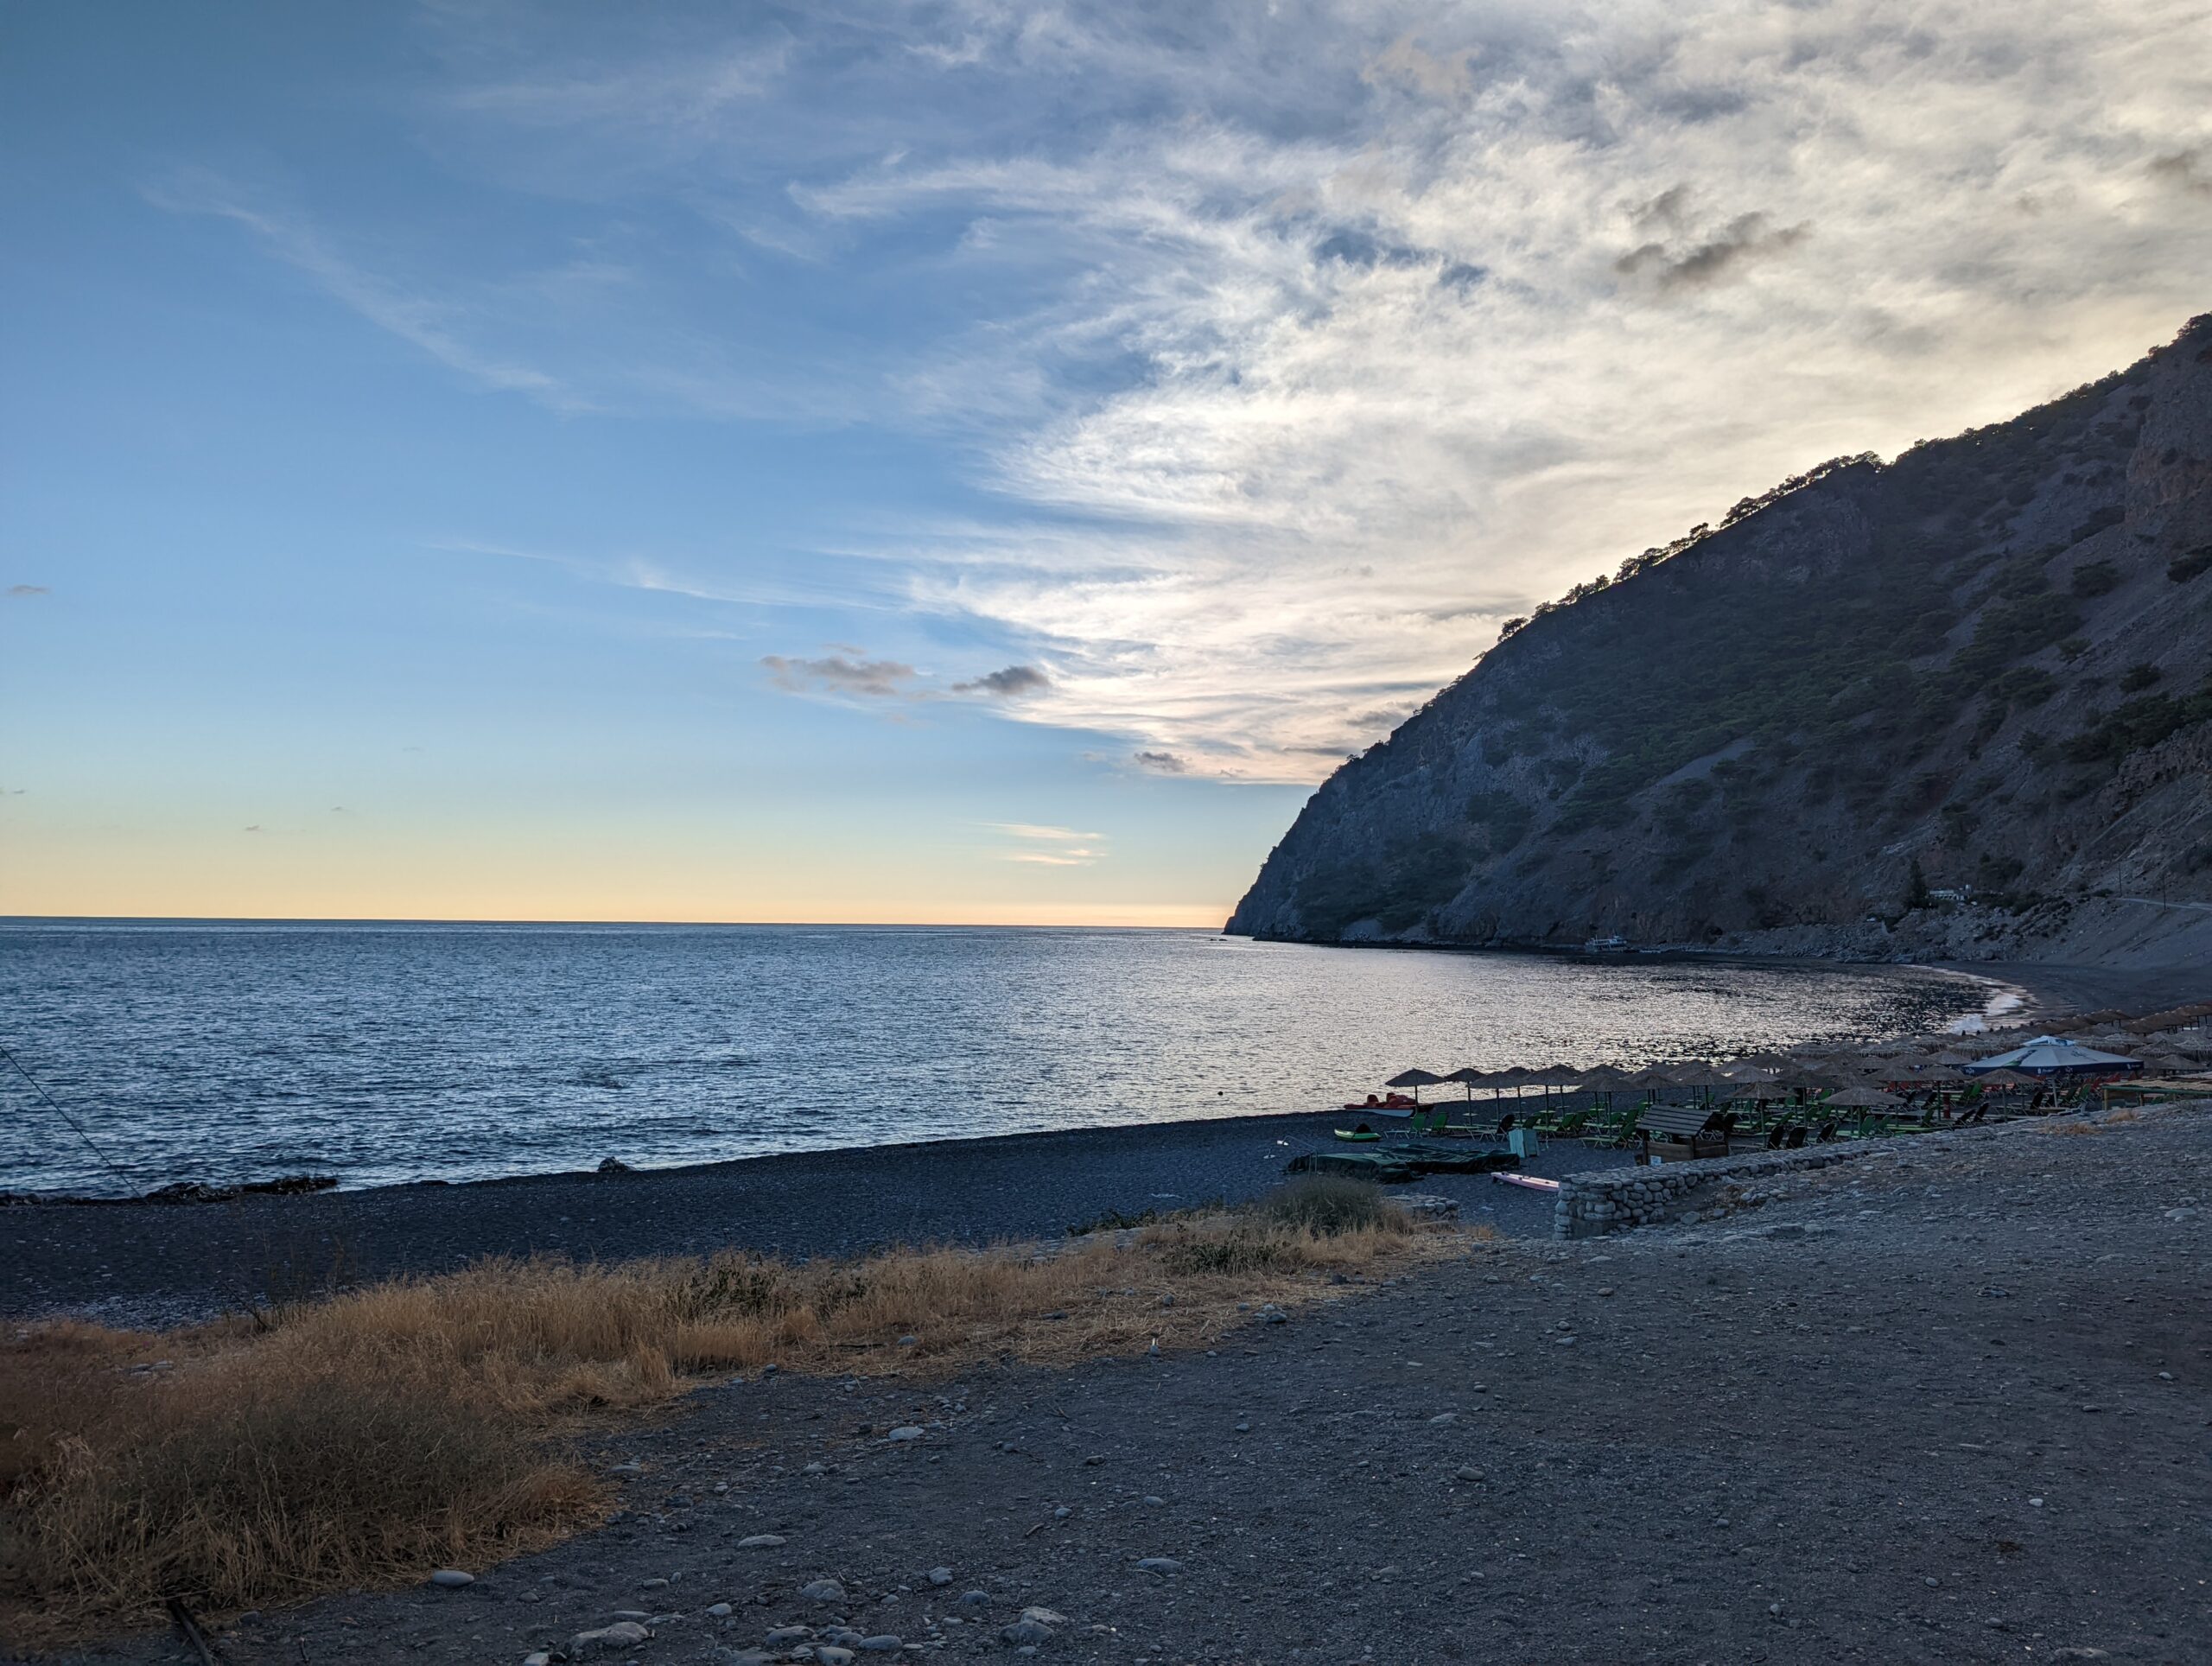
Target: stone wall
1617,1199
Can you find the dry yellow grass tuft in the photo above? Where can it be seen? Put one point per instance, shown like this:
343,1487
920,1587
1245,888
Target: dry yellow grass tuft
374,1436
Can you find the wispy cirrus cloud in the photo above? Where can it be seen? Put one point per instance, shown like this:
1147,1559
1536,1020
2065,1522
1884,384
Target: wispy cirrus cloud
434,323
1529,292
1407,315
1045,846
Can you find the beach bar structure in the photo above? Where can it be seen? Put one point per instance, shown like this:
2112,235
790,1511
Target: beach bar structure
1701,1128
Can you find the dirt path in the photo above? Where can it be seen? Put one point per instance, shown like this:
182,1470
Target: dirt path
1951,1405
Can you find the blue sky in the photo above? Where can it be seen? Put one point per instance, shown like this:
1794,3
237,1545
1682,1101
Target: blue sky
956,461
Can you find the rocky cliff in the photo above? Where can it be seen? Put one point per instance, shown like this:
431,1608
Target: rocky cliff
1956,705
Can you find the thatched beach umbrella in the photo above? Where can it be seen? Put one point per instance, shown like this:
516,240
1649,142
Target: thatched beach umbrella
1600,1081
1773,1061
1830,1073
1548,1077
1415,1079
1466,1076
1699,1074
2006,1078
1860,1099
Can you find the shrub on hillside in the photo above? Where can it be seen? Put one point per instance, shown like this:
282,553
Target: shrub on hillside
1329,1205
2094,578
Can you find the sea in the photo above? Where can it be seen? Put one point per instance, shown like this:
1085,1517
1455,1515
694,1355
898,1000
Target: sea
378,1053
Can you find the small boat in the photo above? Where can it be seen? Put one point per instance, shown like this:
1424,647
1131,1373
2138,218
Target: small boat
1361,1133
1604,945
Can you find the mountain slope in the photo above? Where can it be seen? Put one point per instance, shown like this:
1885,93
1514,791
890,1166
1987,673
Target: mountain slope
1980,669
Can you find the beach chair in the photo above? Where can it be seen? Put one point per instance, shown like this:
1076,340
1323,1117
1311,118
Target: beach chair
1614,1131
1431,1120
1796,1139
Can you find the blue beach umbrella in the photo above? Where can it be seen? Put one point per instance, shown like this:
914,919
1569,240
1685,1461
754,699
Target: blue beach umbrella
2047,1055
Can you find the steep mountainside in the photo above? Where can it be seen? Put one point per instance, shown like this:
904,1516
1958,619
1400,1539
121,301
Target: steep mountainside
1968,693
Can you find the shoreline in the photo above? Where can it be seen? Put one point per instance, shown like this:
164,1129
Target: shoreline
308,1183
139,1263
149,1265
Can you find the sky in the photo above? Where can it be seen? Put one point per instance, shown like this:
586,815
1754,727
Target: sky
948,462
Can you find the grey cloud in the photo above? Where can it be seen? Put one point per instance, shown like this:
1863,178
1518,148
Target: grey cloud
2185,170
1462,276
876,679
1009,684
1700,104
1668,212
1355,248
1744,239
1410,65
1162,763
29,590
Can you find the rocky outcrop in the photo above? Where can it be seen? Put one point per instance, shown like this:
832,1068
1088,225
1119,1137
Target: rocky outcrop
1955,705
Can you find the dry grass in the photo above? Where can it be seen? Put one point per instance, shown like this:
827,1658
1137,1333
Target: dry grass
369,1437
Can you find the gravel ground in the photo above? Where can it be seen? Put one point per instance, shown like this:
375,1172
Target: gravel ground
1947,1403
165,1263
2090,988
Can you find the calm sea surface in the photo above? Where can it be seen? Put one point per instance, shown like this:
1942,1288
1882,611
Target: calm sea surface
393,1052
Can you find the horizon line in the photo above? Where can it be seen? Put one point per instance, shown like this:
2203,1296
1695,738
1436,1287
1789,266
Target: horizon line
679,925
